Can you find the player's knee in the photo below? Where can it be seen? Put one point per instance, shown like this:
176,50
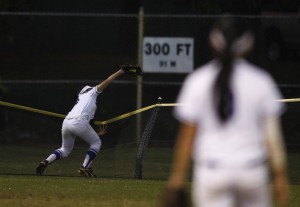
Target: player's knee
96,145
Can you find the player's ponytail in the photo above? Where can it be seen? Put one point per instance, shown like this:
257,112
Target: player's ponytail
228,42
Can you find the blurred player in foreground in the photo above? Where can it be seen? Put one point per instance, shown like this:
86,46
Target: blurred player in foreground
230,126
76,124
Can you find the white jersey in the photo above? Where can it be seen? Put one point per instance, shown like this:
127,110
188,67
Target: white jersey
85,106
239,141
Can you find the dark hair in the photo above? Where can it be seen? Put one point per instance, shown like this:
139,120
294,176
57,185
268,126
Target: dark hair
229,31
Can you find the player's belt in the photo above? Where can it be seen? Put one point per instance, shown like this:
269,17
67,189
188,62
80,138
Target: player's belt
215,164
77,117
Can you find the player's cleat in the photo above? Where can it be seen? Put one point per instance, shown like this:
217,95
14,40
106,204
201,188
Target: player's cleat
86,172
42,166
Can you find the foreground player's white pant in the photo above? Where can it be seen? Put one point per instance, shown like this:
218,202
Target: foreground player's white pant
231,186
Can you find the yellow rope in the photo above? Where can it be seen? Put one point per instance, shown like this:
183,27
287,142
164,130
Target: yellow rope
31,109
289,100
133,113
123,116
96,122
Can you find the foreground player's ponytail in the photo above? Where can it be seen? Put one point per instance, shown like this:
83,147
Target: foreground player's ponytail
228,40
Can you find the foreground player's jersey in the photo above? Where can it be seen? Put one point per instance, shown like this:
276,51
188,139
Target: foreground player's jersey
240,139
85,106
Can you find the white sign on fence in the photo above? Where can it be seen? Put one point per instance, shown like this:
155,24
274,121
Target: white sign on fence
168,55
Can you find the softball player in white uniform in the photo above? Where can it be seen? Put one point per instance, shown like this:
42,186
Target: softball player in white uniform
230,128
76,124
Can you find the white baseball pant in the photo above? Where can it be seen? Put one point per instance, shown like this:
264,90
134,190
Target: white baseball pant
227,187
78,127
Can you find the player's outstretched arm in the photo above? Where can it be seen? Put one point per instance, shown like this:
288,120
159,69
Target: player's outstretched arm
133,70
107,81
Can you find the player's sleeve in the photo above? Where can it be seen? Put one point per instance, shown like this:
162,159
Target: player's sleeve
95,91
271,107
187,111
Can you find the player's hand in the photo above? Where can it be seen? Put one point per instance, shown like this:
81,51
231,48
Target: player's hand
130,69
102,130
174,197
281,188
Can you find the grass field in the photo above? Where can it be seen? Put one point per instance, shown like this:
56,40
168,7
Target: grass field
61,186
73,191
33,191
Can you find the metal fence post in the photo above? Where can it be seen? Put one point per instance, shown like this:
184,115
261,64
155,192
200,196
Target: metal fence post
139,82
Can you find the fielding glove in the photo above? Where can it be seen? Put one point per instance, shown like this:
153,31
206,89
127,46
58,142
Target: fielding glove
133,70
